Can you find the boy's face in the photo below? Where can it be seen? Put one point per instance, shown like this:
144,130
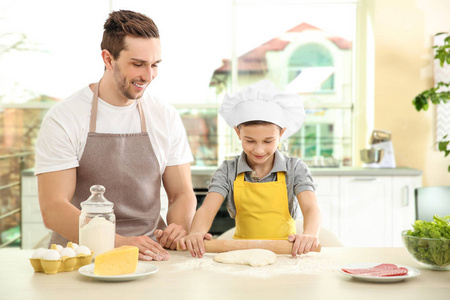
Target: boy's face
259,142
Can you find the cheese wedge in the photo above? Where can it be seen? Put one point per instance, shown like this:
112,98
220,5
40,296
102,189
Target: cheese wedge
118,261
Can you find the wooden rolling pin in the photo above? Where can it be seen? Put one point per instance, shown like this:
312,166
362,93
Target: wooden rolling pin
276,246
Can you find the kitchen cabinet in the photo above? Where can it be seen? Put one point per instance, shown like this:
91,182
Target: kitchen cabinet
367,208
364,211
328,197
32,226
403,205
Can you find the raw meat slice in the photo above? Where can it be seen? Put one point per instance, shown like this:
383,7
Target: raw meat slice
368,270
382,270
386,273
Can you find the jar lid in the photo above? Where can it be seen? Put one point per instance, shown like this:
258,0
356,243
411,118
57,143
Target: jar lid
97,203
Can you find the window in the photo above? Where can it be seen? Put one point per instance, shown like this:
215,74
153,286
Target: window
46,54
201,126
209,48
302,47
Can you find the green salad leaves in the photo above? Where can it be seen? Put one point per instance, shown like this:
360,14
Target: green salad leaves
440,228
429,242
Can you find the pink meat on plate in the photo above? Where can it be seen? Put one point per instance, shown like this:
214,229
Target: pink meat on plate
382,270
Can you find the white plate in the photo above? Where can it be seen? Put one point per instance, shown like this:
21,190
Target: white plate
412,272
142,270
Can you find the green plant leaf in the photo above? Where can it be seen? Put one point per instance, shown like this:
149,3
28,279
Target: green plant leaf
443,146
421,101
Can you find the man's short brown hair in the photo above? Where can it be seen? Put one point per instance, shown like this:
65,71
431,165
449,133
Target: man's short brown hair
122,23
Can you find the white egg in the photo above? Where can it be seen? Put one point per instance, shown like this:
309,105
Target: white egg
68,252
83,250
75,246
59,248
51,254
38,253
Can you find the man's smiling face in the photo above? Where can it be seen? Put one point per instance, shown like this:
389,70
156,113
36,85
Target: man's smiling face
136,66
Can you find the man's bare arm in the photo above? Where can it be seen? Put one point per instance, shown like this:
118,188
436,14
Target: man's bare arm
56,190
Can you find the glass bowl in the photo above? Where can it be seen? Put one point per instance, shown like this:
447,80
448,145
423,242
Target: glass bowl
429,252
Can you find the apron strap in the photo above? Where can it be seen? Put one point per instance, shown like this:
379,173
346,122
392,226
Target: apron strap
94,109
240,177
141,115
281,176
93,123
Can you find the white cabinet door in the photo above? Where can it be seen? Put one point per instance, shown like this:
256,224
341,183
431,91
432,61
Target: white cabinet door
327,193
32,234
31,212
365,210
32,227
403,205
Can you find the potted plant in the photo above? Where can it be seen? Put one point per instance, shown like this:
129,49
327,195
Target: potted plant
434,94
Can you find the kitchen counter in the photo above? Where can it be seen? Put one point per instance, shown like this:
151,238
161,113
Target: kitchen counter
355,171
350,171
338,171
19,281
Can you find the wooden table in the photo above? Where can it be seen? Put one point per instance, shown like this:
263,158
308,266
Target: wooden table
19,281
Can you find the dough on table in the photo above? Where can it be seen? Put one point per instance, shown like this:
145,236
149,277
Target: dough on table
252,257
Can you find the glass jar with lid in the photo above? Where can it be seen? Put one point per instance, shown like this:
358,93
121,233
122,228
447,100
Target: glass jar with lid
97,224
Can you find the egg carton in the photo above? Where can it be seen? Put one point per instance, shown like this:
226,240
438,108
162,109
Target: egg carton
64,264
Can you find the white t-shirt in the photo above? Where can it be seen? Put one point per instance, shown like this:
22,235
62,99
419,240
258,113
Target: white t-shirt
65,127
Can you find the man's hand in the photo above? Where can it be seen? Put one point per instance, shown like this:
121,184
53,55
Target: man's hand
148,248
169,237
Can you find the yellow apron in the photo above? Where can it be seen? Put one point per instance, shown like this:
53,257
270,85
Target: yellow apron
262,209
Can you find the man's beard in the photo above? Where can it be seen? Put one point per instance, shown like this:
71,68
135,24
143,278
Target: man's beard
121,83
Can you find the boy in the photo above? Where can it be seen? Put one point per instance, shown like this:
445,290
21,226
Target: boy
263,188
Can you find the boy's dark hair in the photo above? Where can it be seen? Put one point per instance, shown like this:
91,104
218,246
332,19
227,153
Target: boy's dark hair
122,23
256,122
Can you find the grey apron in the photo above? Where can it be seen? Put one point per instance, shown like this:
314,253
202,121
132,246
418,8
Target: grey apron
126,165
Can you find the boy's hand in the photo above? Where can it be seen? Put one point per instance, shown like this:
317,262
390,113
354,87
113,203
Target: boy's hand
303,243
194,243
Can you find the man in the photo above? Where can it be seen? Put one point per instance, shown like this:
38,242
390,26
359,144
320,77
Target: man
113,134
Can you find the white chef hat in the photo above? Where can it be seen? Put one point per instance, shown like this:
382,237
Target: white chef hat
264,102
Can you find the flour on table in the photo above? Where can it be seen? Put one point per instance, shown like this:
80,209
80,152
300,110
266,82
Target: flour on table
285,264
251,257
